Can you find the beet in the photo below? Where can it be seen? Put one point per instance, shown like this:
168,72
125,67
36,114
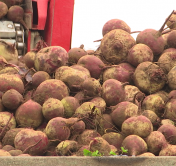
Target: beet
115,45
119,73
48,59
3,9
35,141
4,153
39,77
139,53
171,39
57,129
66,148
115,24
73,78
9,137
168,150
29,58
81,68
130,92
163,94
80,151
8,147
105,123
16,14
138,125
70,105
10,3
113,92
135,145
171,78
100,144
29,114
123,111
155,142
75,54
99,103
113,138
167,60
147,154
51,88
167,121
172,94
91,87
12,99
170,110
86,136
15,152
154,103
169,131
52,108
93,64
149,77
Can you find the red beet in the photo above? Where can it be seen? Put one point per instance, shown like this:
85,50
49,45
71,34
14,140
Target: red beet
35,141
171,39
3,9
16,14
155,142
113,92
169,131
93,64
115,24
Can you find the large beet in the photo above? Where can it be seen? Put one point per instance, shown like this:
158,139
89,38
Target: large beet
122,111
50,88
57,129
138,125
93,64
115,45
11,81
113,92
29,114
155,142
34,142
149,77
139,53
135,145
50,58
115,24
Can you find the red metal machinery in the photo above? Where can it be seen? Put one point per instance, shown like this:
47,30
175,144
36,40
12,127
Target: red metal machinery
51,19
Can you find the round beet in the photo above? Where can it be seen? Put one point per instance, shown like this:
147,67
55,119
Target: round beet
52,108
29,59
12,99
29,114
138,125
16,14
135,145
168,150
93,64
113,92
3,9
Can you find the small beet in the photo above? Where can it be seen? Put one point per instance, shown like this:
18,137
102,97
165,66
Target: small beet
168,150
15,152
8,147
147,154
170,110
39,77
135,145
29,58
12,99
16,14
171,78
171,41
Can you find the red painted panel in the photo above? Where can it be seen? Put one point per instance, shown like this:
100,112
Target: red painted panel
58,29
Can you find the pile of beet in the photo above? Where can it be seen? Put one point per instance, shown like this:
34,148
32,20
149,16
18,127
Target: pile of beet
121,96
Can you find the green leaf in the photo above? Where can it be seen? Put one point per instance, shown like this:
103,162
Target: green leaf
112,153
87,152
124,150
96,153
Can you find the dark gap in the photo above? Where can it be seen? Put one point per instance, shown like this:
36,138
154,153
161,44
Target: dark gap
35,13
